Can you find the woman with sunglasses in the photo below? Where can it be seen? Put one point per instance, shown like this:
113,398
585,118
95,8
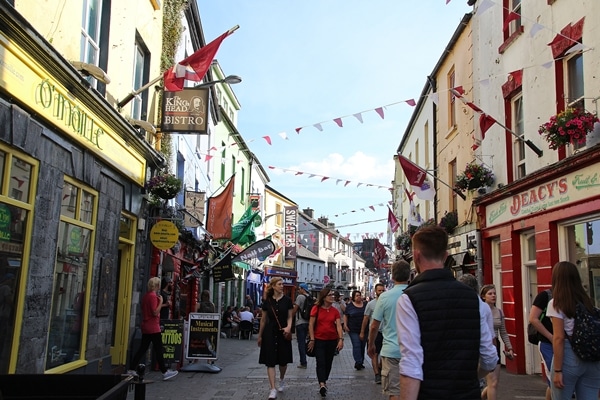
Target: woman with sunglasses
326,335
488,294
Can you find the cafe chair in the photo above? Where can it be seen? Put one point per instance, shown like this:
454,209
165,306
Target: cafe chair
246,328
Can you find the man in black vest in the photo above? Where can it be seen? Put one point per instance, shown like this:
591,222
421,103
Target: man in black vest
442,330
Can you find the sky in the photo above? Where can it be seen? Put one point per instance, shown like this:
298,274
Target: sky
305,63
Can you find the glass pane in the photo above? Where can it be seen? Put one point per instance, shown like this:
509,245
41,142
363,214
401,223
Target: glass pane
575,78
86,207
68,295
12,222
126,228
2,158
69,200
531,252
20,180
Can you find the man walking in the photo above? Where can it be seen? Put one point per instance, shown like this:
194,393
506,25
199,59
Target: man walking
384,316
364,332
442,329
301,324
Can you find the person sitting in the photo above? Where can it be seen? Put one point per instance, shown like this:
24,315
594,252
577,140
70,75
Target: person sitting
246,315
228,323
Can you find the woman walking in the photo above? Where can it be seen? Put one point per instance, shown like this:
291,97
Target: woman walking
275,324
488,294
353,317
326,335
151,306
569,373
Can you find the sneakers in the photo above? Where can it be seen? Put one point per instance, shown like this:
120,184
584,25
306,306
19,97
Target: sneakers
282,386
378,379
169,374
273,394
303,366
323,391
131,372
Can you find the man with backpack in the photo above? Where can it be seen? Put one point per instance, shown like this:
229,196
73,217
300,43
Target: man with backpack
302,307
543,325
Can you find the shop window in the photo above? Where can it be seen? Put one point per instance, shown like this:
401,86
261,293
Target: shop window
71,275
16,207
583,249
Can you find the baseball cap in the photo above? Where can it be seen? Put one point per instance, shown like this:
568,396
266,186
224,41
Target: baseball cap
304,286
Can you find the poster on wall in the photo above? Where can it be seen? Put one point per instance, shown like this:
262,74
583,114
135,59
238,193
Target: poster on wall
202,336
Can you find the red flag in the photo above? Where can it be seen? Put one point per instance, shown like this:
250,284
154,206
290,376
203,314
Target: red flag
417,178
199,62
392,221
485,123
218,214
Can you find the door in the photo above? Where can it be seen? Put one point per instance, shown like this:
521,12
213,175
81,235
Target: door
533,361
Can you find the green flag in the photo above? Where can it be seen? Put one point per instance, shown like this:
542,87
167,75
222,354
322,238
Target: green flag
242,232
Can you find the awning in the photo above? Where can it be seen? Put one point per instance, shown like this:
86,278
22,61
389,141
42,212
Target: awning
344,264
331,260
459,259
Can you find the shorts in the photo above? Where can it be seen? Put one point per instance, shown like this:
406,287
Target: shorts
378,342
390,376
547,353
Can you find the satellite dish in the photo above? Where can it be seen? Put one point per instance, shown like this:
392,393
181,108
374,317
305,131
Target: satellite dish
91,70
145,125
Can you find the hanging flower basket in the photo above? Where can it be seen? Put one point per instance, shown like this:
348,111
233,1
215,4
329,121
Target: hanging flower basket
568,127
449,221
165,186
474,176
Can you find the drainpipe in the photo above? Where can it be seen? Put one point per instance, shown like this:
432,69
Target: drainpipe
432,84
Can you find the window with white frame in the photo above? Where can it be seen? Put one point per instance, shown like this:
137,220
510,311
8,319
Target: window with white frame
518,127
515,24
452,100
575,86
90,33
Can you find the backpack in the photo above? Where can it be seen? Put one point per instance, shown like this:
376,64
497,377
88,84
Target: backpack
532,334
585,340
309,302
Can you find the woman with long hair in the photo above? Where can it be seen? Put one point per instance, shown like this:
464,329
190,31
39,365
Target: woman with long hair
275,324
326,335
488,294
353,317
569,373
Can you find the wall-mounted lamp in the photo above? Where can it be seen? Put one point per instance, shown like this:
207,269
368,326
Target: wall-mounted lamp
472,249
91,70
145,125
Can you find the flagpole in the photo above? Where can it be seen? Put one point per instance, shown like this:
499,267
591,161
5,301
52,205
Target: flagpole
528,142
455,190
131,95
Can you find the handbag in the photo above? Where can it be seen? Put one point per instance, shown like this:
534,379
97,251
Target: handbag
286,335
311,353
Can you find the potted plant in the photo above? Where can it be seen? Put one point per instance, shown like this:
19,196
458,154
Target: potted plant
474,176
449,221
166,186
568,127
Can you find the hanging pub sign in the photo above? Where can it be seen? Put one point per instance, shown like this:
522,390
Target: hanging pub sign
291,222
257,251
185,111
255,202
194,205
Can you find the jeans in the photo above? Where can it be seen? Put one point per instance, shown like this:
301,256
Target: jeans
358,348
157,347
301,333
546,352
324,352
581,377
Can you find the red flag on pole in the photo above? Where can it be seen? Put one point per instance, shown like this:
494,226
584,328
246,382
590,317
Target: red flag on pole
218,214
417,178
198,64
392,221
485,123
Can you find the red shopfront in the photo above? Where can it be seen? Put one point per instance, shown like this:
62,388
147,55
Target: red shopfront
531,224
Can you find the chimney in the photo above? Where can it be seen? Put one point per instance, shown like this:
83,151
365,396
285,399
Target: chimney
323,220
309,212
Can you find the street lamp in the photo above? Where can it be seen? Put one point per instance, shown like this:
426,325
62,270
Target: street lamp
230,79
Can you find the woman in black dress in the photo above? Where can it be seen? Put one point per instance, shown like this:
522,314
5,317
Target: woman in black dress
276,321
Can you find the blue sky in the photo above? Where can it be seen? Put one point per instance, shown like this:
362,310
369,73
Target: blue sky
308,62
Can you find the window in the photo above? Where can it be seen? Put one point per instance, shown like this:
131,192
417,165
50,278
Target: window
515,24
233,164
141,66
243,186
518,144
71,275
452,100
453,172
582,250
223,156
278,215
90,34
574,89
16,207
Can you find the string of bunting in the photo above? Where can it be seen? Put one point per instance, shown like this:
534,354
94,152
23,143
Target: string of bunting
324,178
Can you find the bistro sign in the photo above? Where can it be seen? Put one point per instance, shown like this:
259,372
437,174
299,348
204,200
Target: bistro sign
185,111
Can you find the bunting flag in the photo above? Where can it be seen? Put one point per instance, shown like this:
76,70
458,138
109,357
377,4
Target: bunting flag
242,232
417,178
194,67
414,218
218,213
392,221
